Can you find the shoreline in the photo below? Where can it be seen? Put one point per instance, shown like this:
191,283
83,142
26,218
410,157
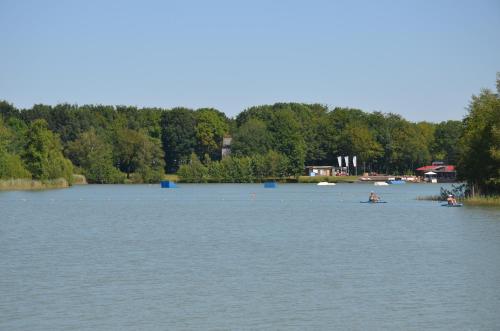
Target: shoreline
492,201
32,185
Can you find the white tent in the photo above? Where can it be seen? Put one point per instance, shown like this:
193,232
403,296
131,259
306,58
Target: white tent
430,173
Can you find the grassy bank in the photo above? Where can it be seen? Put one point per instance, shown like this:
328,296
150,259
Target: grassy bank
329,179
171,177
79,180
470,201
29,184
483,201
430,198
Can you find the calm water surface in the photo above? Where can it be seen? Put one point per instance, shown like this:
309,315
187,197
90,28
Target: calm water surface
232,257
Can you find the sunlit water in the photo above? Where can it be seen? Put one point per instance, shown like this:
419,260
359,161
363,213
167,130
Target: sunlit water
232,257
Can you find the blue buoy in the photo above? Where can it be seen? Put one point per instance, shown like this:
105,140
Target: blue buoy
167,184
270,185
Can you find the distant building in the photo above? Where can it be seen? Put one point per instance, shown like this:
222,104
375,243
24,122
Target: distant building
226,146
438,170
320,170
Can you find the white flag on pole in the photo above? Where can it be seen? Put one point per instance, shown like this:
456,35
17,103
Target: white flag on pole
354,161
346,158
339,160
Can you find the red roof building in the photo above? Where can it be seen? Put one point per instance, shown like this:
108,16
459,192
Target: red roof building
443,173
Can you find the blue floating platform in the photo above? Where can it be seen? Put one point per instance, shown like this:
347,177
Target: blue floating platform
270,185
167,184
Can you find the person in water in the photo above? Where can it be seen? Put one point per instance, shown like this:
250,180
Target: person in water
373,197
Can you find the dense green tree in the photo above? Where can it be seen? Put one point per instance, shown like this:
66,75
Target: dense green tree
152,165
137,152
277,165
251,138
479,159
358,140
211,126
446,136
193,171
11,165
43,154
178,136
18,130
288,140
94,156
7,110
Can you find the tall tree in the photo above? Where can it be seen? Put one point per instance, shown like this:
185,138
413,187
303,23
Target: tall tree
211,126
479,160
446,137
178,137
251,138
137,152
358,140
11,165
43,154
94,156
288,140
7,110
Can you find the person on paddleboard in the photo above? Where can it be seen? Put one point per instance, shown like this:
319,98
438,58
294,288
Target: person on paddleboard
373,197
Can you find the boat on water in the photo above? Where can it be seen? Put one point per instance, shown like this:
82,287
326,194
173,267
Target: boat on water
373,201
396,182
325,184
381,184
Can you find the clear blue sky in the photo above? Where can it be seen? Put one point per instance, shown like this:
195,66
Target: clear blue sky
421,59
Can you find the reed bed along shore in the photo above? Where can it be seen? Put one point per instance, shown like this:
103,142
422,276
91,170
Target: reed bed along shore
483,201
430,198
470,201
30,184
79,179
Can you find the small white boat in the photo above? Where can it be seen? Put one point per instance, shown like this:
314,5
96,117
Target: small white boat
325,184
381,184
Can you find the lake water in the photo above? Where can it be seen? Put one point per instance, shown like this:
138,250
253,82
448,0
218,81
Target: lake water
233,257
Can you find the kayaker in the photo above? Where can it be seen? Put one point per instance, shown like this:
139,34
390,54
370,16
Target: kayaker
373,197
451,200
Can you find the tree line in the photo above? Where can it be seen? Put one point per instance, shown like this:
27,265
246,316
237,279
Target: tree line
116,144
113,144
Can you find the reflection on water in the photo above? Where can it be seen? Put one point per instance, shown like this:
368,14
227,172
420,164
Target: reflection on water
138,257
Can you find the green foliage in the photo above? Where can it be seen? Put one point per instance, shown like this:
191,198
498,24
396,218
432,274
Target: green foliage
251,138
446,136
234,169
7,110
91,153
268,141
43,154
178,136
194,171
288,140
135,151
11,166
211,126
479,160
357,139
